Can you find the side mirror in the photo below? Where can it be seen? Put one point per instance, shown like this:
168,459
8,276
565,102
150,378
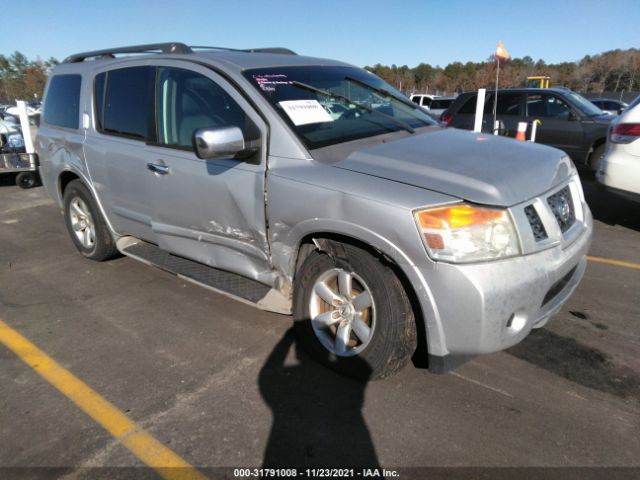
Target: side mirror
218,142
572,117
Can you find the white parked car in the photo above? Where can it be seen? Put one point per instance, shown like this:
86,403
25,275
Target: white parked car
619,168
423,99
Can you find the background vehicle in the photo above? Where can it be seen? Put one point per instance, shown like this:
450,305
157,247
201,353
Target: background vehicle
538,81
380,231
423,99
608,105
619,168
567,120
13,158
440,104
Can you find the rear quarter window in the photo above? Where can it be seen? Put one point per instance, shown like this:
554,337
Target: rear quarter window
62,105
470,105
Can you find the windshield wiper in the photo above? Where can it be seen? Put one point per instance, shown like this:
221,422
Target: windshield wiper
384,92
311,88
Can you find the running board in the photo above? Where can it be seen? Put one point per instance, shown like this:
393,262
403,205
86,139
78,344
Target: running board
230,284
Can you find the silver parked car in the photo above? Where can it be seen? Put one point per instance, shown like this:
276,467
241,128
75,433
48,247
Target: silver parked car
309,186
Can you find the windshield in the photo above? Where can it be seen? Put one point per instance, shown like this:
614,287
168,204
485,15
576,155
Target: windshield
585,105
329,105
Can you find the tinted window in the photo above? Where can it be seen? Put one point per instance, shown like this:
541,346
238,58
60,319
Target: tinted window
62,105
426,101
470,105
99,90
415,99
128,102
188,101
508,104
440,104
548,106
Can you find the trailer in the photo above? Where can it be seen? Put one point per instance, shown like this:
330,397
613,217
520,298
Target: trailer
24,164
17,155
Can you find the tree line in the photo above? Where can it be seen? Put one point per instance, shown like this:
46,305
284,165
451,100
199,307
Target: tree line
612,71
23,79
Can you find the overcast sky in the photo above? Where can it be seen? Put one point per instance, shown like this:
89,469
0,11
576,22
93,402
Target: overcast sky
360,32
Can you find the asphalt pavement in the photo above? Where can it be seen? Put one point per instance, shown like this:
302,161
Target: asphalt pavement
222,384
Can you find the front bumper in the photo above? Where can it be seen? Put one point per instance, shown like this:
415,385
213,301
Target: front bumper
487,307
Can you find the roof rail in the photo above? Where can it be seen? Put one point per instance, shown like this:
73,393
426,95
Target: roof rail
172,47
281,50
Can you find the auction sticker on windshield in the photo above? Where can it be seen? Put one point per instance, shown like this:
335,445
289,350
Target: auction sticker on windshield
303,112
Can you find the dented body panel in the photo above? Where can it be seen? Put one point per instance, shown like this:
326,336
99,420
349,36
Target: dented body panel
253,217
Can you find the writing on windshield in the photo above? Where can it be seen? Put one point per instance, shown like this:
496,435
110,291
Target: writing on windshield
339,103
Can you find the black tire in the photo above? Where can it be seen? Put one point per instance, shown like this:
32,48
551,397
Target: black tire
26,180
594,158
393,337
103,246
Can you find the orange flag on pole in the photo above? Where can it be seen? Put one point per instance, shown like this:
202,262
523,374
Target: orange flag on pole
501,52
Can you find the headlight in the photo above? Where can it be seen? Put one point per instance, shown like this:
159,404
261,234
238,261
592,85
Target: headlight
15,140
466,233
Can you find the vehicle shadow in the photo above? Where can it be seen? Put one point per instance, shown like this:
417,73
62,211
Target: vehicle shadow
317,413
608,207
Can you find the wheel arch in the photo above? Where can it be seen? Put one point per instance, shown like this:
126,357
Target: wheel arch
594,146
66,177
330,242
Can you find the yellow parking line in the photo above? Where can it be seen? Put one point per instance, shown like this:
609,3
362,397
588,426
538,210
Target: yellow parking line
619,263
149,450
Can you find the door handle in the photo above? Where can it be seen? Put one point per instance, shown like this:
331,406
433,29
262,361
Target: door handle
157,168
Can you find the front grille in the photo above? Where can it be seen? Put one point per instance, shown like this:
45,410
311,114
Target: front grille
539,232
561,204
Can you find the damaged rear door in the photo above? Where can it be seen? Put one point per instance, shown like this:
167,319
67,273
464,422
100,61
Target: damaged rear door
211,211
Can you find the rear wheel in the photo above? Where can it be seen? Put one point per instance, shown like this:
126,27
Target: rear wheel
85,224
352,314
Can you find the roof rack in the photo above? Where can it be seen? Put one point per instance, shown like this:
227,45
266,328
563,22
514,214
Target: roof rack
172,47
280,50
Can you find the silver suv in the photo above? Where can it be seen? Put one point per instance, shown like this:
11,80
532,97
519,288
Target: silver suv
309,186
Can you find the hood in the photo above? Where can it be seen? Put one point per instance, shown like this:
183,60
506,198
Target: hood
480,168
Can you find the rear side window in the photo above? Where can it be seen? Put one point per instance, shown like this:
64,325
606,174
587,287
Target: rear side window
62,105
99,90
128,102
470,105
438,104
508,104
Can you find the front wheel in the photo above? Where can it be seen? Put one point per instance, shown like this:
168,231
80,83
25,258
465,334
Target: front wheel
353,315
